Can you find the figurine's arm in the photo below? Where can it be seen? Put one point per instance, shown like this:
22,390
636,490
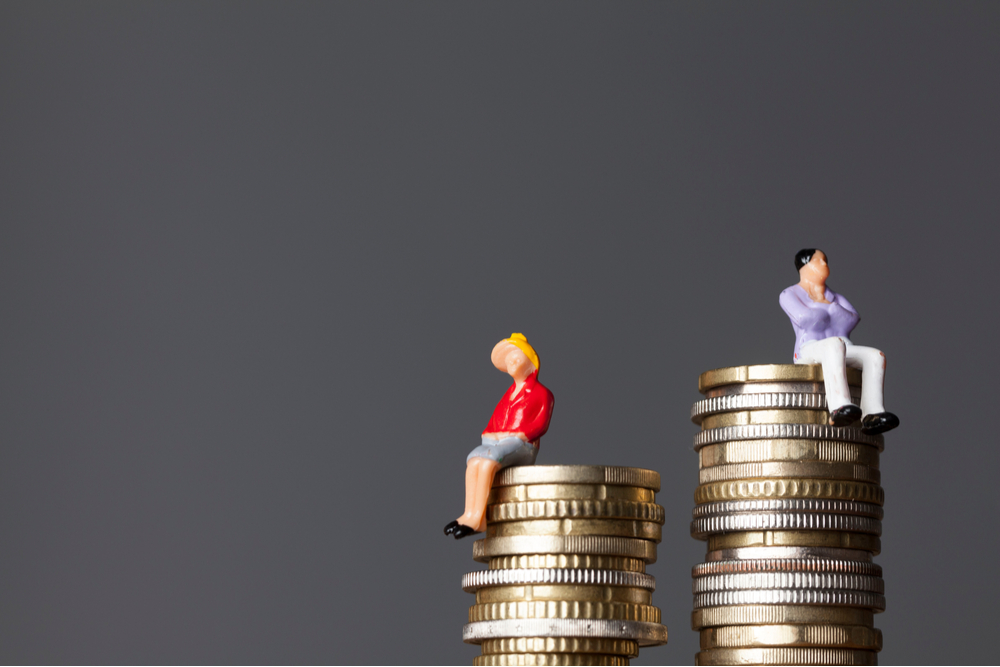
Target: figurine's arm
846,305
531,421
799,313
496,421
537,417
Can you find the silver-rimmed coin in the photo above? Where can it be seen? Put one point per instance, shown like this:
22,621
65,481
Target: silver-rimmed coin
788,580
646,634
873,601
774,388
755,401
772,431
801,553
826,565
702,528
788,505
473,581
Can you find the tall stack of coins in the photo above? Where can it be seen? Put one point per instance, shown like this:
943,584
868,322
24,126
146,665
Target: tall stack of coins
567,548
792,512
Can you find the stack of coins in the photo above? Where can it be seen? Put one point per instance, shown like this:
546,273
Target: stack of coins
567,548
792,512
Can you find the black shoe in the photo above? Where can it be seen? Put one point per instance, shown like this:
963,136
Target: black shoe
846,415
879,423
463,531
450,528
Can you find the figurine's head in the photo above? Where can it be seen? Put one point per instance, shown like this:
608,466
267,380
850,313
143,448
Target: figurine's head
812,266
515,356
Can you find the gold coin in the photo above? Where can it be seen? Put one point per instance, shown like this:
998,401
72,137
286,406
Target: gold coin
796,538
645,530
617,611
748,417
567,561
558,659
574,509
624,647
577,592
599,545
745,489
785,656
576,474
782,469
828,636
759,451
774,614
769,373
528,492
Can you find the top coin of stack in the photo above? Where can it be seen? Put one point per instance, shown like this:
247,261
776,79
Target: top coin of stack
567,548
792,511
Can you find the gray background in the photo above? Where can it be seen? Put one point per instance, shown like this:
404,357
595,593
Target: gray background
255,257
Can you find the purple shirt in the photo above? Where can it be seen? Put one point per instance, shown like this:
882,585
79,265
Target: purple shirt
816,321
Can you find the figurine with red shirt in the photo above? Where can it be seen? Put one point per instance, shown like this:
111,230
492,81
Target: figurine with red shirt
823,320
512,437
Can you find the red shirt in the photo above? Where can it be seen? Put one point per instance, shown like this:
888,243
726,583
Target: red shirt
528,413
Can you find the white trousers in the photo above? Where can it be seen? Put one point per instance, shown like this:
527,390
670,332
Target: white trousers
836,354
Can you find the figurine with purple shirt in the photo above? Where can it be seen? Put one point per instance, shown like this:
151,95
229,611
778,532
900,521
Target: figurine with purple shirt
823,320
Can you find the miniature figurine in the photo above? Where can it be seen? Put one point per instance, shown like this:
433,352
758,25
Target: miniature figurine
512,437
823,320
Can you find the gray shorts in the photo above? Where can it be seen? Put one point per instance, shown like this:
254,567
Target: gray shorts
511,451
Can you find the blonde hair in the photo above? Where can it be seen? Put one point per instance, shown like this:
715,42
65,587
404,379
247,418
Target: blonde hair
521,342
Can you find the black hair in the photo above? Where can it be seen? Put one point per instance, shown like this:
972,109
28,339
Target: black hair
803,256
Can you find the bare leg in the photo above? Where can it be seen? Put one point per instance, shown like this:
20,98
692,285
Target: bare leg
487,469
471,477
478,481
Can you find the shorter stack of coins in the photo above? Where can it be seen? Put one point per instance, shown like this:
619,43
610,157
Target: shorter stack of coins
567,548
792,512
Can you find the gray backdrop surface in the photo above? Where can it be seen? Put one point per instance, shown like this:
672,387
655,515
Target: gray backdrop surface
255,257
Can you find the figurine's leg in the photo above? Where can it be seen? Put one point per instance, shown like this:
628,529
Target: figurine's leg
462,526
487,471
478,480
872,364
832,354
471,477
